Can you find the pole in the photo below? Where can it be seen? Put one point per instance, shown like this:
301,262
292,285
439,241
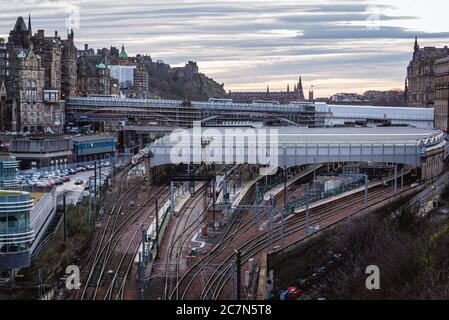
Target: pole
270,222
238,268
257,206
99,177
395,178
142,278
95,177
366,191
113,169
157,229
144,236
39,288
285,177
172,197
213,205
402,178
225,185
285,186
282,225
90,202
64,216
307,209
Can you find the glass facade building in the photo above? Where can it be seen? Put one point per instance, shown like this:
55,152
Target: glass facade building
16,235
8,171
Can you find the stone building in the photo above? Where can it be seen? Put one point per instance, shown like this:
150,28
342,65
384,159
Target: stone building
34,107
3,60
40,72
141,81
68,67
419,86
93,76
5,114
441,94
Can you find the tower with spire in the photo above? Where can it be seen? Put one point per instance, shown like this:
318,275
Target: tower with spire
29,25
300,90
416,48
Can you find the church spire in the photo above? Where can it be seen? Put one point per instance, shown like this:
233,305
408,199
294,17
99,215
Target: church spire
300,89
29,25
416,44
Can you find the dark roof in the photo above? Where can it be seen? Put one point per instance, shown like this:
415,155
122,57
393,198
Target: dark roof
427,52
92,62
20,25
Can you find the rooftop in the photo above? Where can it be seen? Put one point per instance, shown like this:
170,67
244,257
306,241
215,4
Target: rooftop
6,193
92,137
300,135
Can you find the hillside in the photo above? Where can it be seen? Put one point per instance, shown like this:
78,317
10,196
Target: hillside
179,83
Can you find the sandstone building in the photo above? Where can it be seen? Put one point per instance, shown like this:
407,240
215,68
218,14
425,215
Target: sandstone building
39,71
419,86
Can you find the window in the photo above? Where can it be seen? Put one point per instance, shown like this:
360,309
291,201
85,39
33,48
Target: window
12,221
3,221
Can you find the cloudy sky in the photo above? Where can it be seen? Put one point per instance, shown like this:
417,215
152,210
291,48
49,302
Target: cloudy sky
337,46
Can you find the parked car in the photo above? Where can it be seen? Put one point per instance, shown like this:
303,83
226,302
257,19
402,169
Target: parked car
292,293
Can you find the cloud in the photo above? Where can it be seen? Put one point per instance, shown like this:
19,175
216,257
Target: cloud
247,43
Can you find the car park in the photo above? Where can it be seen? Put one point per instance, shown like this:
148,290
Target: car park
35,178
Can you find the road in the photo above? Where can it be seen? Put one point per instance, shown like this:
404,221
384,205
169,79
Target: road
73,192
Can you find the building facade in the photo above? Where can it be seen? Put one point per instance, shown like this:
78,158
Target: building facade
94,77
39,71
419,86
42,152
8,170
441,94
93,147
35,108
16,234
141,81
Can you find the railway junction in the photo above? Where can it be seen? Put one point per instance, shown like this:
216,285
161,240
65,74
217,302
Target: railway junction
197,211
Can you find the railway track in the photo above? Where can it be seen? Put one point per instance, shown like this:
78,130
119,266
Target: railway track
226,242
110,237
216,283
179,241
239,221
174,252
126,261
